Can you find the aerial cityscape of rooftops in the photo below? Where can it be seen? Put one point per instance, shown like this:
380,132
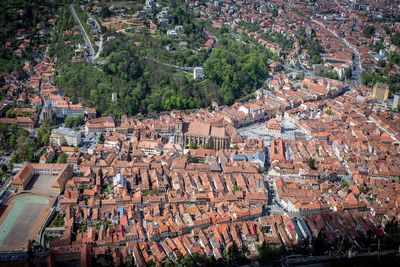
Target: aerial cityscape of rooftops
200,133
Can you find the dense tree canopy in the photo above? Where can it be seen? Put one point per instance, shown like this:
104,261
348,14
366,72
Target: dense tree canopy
394,58
62,158
369,31
396,39
314,49
148,84
370,78
73,122
279,39
21,18
236,68
24,146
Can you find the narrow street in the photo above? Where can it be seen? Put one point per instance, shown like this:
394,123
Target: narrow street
3,190
357,68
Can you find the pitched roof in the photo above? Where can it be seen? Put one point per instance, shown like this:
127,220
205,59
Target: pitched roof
199,128
218,132
25,173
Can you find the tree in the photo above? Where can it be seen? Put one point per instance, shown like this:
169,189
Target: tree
193,160
105,12
44,132
329,112
192,145
144,85
62,158
168,263
314,49
320,244
310,163
10,21
69,122
73,122
396,39
392,234
262,169
3,167
58,221
129,157
236,188
186,261
316,59
369,78
363,189
267,253
369,31
394,58
100,173
101,138
344,182
10,114
17,139
332,75
233,256
381,63
378,46
196,260
300,76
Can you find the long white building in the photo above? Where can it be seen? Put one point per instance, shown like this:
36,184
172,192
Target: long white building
65,136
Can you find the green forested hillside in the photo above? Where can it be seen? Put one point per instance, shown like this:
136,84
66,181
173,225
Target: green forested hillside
19,20
143,85
139,68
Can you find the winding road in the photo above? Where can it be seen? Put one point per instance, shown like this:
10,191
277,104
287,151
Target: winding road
185,68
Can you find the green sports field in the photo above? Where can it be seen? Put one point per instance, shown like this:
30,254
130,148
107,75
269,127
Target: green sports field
22,216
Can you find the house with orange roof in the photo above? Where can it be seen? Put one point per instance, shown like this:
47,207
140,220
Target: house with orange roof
26,123
98,125
255,111
150,147
277,150
22,178
273,127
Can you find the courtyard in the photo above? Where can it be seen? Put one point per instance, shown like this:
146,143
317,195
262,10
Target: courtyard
41,184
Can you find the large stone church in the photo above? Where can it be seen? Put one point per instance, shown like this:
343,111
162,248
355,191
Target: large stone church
203,134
